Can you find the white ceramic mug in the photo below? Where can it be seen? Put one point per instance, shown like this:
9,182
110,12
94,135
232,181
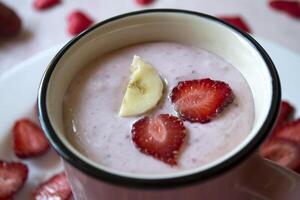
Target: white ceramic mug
240,174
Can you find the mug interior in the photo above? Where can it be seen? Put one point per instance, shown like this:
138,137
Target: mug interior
193,29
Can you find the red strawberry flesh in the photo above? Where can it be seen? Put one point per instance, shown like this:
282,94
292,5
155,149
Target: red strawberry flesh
78,21
285,113
57,187
144,2
289,131
29,139
45,4
160,136
10,23
201,100
12,178
237,21
282,151
291,7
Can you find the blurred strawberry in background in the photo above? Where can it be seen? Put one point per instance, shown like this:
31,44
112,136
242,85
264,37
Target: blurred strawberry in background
236,21
78,21
144,2
10,22
290,7
45,4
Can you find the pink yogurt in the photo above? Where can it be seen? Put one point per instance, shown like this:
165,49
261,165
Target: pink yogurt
93,101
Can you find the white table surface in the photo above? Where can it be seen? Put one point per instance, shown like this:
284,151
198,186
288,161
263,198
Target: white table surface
41,30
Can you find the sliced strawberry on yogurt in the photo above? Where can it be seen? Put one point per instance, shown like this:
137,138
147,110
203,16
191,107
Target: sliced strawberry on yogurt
45,4
236,21
57,187
201,100
282,151
289,131
290,7
12,178
78,21
29,139
160,136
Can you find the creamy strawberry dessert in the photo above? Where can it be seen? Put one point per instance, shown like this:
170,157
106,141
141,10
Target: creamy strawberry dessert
173,107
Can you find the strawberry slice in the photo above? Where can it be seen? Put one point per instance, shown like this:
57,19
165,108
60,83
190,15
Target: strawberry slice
289,131
78,22
160,136
144,2
29,139
12,178
10,22
57,187
236,21
290,7
45,4
285,113
201,100
282,151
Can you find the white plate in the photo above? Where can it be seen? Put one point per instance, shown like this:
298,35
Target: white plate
18,89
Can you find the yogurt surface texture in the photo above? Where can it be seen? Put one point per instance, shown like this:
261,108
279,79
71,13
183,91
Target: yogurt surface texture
93,101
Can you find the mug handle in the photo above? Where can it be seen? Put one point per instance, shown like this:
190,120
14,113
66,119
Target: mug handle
268,179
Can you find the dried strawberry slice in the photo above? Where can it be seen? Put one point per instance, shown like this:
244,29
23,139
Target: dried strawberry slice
29,139
237,21
282,151
201,100
285,113
12,178
45,4
289,131
10,23
291,7
57,187
78,21
160,136
144,2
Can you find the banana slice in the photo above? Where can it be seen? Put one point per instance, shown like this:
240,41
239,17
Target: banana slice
144,89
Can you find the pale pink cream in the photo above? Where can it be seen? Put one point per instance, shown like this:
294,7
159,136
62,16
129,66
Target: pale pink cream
93,100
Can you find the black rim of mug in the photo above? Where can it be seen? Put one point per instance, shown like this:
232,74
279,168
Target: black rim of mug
101,175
